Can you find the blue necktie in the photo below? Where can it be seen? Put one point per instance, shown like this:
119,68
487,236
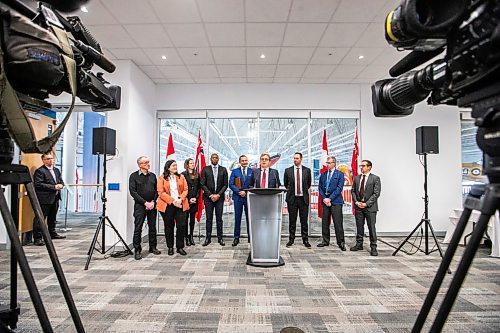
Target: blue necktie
329,176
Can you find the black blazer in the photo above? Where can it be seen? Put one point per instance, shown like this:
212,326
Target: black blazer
45,185
290,184
372,192
193,190
208,184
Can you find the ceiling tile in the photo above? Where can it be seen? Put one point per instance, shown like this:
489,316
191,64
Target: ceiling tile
286,79
290,71
318,71
254,53
97,15
357,10
175,72
312,10
221,10
265,34
312,80
161,81
226,34
112,36
233,80
155,54
176,11
267,10
329,55
131,11
148,35
205,80
343,34
367,81
187,35
108,54
375,72
203,71
260,70
260,80
347,71
152,72
303,34
389,56
229,55
196,56
232,70
136,55
295,55
384,10
369,54
338,81
178,80
372,37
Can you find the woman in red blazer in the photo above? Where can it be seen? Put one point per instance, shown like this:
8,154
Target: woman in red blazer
172,203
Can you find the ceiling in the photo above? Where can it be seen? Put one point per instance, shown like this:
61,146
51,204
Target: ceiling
221,41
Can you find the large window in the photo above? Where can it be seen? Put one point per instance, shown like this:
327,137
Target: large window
472,158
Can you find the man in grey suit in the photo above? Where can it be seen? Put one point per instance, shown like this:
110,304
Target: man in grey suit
365,192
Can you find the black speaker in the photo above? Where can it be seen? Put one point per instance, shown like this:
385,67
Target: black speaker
103,141
427,140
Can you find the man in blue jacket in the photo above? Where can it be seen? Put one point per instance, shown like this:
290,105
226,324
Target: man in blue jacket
237,182
331,183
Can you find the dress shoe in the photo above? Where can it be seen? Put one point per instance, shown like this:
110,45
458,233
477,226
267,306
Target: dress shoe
181,252
290,243
207,241
137,255
57,236
236,241
39,242
170,251
374,252
191,240
155,251
221,242
188,241
342,246
322,244
357,247
306,244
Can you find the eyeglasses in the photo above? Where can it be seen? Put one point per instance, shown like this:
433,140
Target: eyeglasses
264,159
363,166
330,162
145,162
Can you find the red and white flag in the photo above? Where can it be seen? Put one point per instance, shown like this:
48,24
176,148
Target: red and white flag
199,164
170,148
324,155
354,161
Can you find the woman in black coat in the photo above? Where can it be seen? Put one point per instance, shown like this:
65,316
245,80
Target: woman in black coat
194,187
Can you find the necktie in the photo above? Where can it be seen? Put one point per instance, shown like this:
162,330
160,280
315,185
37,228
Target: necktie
328,177
263,179
52,172
215,176
362,189
244,174
297,181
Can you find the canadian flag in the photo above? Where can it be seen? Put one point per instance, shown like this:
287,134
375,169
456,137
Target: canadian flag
199,164
324,155
170,148
354,161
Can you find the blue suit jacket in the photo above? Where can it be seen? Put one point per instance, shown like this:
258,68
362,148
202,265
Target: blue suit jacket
238,173
273,180
333,190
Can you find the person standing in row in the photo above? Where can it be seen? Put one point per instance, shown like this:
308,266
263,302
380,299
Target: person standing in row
264,177
297,181
365,192
193,181
142,187
237,182
331,184
172,204
214,183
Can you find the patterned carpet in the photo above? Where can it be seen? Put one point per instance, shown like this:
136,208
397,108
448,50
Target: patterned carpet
212,290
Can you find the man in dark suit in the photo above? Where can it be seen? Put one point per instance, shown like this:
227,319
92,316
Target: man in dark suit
214,184
365,192
298,182
48,185
264,177
331,183
237,182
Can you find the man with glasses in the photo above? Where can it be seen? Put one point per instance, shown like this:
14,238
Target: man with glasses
264,177
331,183
142,187
365,192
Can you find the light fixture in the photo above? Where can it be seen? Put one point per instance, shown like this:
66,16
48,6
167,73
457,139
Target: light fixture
84,9
164,57
262,56
361,57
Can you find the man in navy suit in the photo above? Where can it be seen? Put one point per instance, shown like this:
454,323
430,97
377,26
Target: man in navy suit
237,182
48,185
264,177
331,183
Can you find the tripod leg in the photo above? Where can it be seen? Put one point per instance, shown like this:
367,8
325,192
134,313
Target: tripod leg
435,239
118,234
23,265
53,258
408,237
94,241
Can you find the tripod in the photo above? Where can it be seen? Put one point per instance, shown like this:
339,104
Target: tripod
424,221
103,219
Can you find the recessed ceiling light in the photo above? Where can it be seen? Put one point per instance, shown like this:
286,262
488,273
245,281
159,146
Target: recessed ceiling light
84,9
361,57
164,57
262,56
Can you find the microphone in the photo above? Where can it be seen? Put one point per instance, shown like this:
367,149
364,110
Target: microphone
97,57
412,60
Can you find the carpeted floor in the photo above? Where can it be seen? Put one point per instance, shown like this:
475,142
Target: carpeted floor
212,290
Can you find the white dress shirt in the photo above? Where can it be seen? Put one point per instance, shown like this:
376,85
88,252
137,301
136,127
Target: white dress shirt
174,193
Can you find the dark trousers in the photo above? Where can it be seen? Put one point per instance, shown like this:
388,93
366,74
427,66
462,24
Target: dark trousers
239,206
371,217
140,214
335,211
209,211
298,205
190,219
174,216
49,212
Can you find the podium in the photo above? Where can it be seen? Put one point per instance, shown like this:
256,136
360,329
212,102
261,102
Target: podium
264,213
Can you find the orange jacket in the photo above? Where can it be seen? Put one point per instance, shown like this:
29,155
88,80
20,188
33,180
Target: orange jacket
164,198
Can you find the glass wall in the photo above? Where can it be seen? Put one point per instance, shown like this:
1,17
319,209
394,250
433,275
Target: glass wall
472,158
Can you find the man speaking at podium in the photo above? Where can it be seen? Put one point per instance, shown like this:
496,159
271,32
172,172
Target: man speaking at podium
264,177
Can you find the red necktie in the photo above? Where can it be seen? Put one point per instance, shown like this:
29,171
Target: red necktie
297,181
263,179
